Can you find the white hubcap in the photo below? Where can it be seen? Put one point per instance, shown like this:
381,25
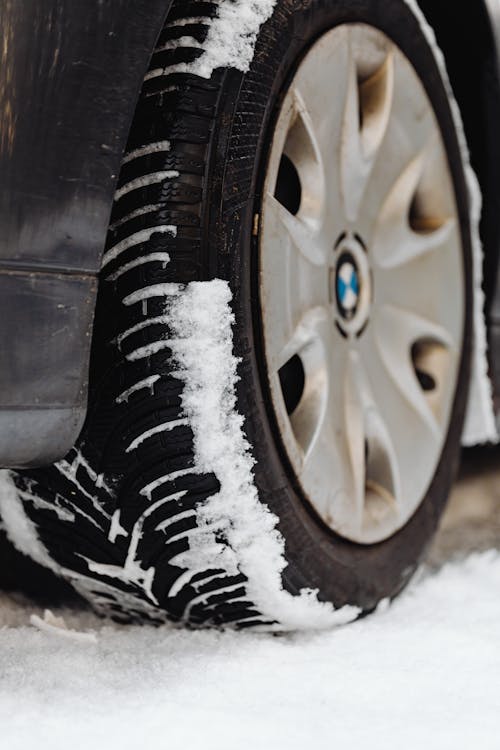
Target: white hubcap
361,283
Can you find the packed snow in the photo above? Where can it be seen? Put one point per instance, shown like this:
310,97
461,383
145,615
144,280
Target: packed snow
202,345
423,672
230,42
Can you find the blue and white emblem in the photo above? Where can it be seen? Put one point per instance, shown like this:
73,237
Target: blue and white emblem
348,286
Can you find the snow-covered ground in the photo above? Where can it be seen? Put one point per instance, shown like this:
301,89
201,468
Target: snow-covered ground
423,673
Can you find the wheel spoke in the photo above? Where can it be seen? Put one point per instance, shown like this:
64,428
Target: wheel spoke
395,241
307,238
381,480
327,461
366,117
356,398
419,285
396,331
287,335
383,496
354,167
409,139
408,440
292,284
285,122
411,122
323,118
422,356
302,339
374,463
413,426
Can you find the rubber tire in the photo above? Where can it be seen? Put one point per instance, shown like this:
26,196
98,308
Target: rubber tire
219,134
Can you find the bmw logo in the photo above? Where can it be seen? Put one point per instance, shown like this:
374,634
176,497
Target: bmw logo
347,286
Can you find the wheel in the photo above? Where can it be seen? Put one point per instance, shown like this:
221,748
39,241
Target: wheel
282,340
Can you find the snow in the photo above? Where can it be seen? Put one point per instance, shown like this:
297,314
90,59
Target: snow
420,673
57,626
232,35
16,523
150,148
138,237
202,346
480,423
230,42
141,182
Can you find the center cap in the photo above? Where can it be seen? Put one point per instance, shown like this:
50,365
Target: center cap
351,286
347,286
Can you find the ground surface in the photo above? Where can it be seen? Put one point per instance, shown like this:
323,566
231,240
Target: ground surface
424,672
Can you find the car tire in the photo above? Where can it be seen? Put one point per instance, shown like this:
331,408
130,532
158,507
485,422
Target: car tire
198,159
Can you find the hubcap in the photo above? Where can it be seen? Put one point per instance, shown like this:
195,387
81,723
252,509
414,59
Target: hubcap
361,283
